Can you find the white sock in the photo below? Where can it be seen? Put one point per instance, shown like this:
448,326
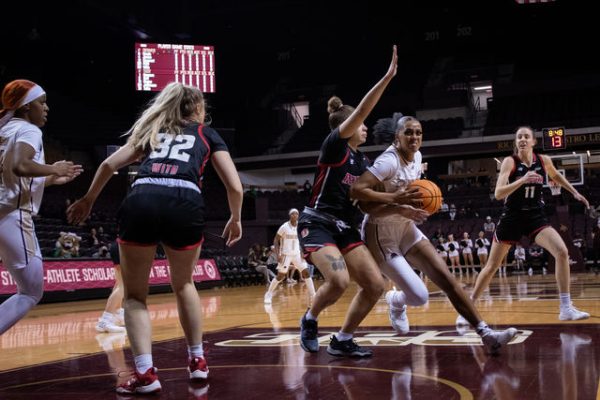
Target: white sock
309,316
272,287
483,329
565,300
143,362
196,351
311,286
341,336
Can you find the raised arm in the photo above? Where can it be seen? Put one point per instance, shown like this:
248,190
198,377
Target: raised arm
350,125
226,170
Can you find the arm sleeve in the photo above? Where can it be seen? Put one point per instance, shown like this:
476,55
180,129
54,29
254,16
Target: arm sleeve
384,166
215,140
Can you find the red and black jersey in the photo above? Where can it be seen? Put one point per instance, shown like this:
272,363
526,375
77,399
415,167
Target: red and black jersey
182,156
529,196
338,168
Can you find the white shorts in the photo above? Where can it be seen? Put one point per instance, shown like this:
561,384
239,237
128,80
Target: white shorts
466,250
18,243
296,260
453,253
481,251
388,240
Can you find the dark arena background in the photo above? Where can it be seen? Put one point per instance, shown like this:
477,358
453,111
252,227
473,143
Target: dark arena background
472,72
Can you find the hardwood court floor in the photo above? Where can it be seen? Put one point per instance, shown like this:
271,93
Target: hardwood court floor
248,342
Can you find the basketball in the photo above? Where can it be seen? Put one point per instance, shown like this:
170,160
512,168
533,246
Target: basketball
431,195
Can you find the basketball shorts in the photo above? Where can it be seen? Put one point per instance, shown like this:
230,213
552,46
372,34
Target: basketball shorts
152,214
314,233
296,260
513,226
386,241
18,243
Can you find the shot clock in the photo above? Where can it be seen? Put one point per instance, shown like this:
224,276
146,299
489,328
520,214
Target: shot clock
554,139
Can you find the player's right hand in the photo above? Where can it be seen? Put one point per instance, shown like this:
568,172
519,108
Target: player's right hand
409,196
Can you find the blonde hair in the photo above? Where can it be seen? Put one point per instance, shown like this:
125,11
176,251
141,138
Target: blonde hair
168,112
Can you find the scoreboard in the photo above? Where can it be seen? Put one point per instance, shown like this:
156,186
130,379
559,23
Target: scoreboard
554,139
157,65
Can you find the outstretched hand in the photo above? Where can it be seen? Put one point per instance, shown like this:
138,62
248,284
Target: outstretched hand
79,211
232,232
394,64
582,199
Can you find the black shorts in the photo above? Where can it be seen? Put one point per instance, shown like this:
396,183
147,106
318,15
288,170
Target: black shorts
152,214
315,233
512,226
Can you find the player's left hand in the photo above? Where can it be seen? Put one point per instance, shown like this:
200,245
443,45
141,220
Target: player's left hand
582,199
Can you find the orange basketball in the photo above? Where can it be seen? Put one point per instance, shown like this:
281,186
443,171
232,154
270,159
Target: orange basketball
431,195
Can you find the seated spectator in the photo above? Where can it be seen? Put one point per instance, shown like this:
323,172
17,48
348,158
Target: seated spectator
255,261
67,245
307,187
536,254
520,256
101,253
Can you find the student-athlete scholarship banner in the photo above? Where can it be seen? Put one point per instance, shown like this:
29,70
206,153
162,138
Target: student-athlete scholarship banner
74,274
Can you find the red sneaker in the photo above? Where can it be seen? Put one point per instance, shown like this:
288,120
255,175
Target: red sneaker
141,383
197,368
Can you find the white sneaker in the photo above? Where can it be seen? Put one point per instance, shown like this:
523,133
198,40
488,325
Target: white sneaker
495,340
572,314
398,317
530,271
268,298
104,326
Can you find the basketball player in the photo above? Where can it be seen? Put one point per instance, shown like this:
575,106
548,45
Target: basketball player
113,316
24,174
165,205
520,183
397,244
328,228
287,248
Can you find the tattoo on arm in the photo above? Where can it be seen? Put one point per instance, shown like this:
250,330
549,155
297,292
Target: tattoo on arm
337,264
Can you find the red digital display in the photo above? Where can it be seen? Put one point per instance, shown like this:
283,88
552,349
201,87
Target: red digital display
554,139
157,65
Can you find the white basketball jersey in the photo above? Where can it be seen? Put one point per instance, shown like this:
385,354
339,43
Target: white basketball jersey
395,174
290,246
18,192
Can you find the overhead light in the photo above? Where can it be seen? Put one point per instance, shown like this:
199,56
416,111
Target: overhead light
486,87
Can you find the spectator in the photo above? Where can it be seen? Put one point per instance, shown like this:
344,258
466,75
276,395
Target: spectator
489,226
255,261
537,258
444,209
579,243
101,253
519,256
452,213
307,187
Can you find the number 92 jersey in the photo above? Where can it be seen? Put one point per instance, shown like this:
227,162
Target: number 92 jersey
182,156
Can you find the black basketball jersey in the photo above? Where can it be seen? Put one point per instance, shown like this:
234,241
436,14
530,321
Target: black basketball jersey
528,196
338,168
182,156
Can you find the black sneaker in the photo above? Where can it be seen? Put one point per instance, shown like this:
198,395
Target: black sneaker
347,348
309,332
